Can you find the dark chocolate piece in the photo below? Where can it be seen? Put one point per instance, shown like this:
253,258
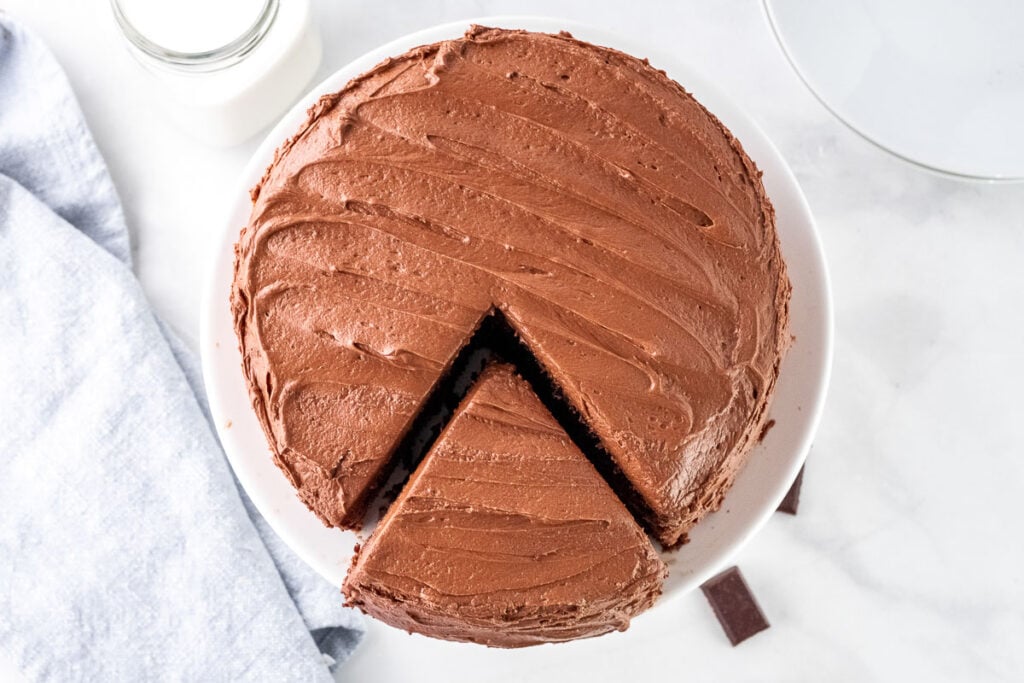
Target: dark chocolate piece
734,605
791,502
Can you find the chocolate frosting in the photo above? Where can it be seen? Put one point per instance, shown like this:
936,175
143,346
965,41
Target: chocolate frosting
618,226
506,534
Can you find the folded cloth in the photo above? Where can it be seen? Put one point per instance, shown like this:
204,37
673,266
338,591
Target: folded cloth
127,552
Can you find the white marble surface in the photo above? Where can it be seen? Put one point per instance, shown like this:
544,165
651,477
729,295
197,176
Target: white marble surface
904,562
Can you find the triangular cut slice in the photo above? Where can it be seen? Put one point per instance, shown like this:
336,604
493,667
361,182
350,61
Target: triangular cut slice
506,534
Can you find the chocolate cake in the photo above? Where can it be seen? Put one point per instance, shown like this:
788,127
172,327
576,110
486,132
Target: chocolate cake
506,534
616,224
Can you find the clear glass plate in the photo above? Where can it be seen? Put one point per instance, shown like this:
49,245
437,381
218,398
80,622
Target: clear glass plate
939,83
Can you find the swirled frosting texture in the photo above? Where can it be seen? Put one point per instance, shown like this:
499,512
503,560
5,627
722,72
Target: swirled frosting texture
506,534
618,225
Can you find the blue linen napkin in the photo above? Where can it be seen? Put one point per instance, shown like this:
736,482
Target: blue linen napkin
127,552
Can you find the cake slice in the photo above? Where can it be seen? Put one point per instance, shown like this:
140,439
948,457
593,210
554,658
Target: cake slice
505,534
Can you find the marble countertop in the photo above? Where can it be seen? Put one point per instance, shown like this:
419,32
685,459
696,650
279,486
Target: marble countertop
904,559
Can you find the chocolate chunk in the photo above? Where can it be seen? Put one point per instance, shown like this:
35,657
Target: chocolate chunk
734,605
791,502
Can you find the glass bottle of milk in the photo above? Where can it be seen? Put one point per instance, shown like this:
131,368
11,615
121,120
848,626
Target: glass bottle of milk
221,70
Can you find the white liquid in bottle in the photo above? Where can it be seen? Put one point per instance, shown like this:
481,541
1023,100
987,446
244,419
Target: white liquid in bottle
192,26
221,69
